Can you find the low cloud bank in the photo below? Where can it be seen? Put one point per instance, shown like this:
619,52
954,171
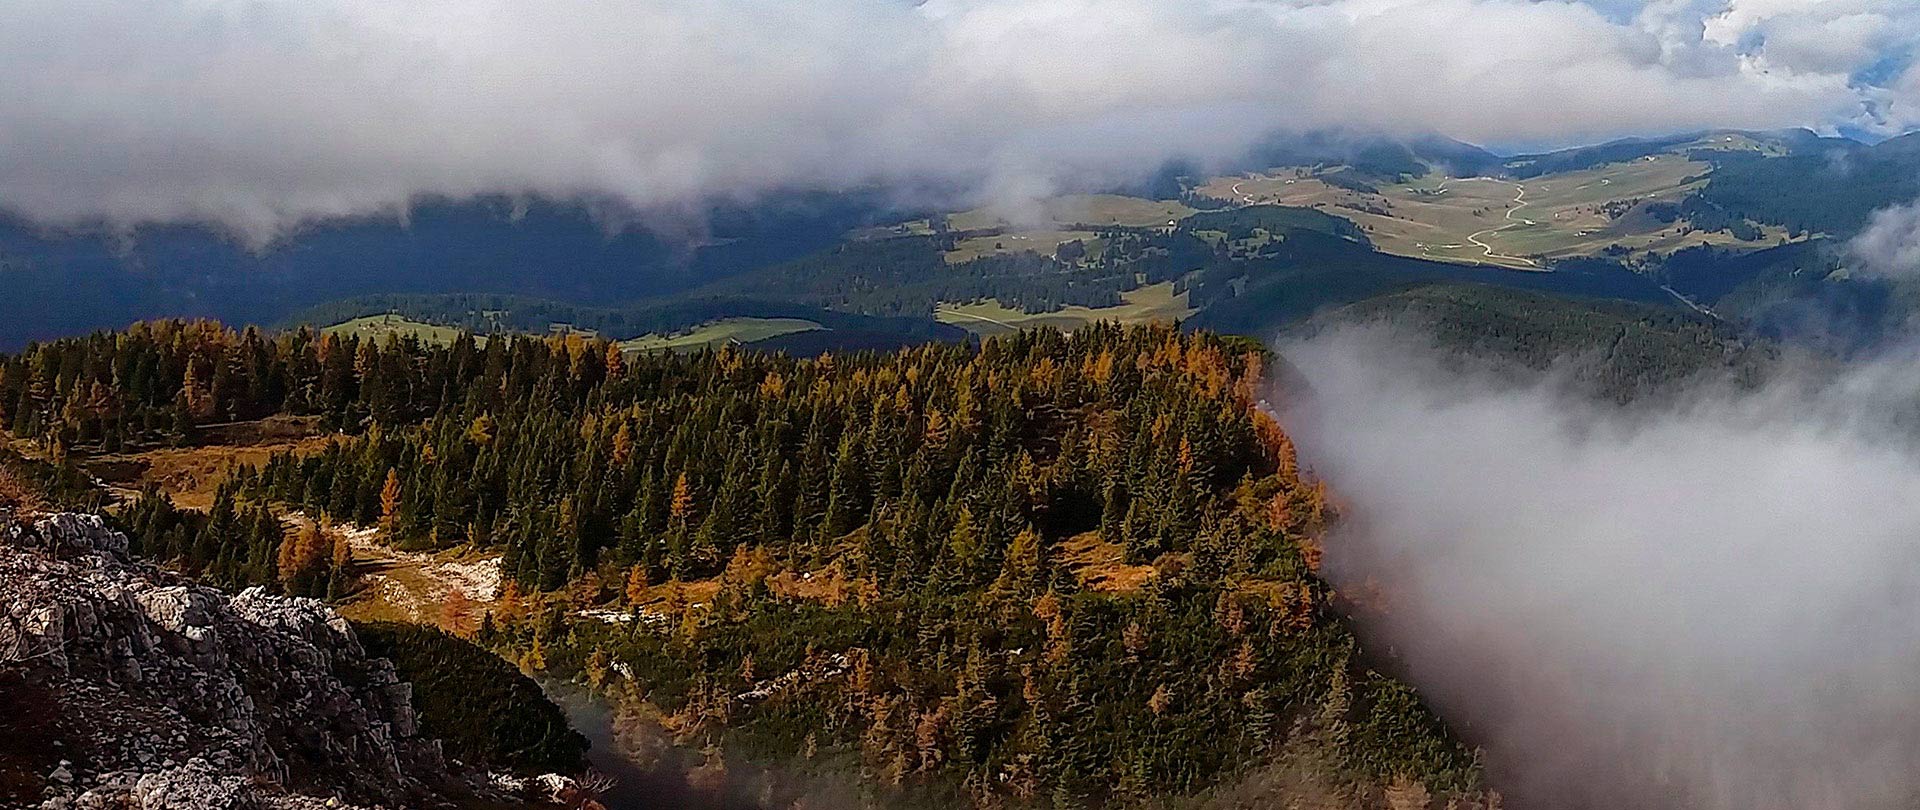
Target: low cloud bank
261,115
1889,246
1715,605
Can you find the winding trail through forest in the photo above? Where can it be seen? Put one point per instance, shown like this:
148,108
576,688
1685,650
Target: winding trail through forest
1519,202
1691,304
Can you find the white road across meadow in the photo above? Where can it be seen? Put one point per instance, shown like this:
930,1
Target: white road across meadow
1519,202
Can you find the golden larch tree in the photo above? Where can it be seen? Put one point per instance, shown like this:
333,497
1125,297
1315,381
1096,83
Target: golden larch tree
636,590
623,444
616,361
300,557
456,613
682,505
390,501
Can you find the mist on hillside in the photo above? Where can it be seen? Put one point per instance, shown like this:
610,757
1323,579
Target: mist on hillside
1714,604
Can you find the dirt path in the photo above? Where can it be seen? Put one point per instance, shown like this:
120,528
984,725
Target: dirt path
995,321
417,587
1519,202
1691,304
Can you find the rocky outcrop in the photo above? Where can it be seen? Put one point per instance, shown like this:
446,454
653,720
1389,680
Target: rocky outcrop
125,686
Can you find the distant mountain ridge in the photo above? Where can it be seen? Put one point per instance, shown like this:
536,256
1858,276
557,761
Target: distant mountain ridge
563,263
1402,157
60,283
1382,155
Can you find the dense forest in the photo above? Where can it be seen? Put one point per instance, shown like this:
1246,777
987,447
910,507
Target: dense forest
159,381
1832,189
1608,350
1244,222
496,314
1076,570
238,543
1307,271
1391,159
1704,215
1800,293
910,275
480,708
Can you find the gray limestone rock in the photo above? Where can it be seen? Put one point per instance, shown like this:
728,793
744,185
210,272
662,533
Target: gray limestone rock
175,695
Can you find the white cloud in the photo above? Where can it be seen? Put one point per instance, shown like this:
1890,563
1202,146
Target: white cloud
264,113
1890,244
1713,606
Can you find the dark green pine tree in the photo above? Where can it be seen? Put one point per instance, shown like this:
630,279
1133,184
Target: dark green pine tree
847,493
1113,511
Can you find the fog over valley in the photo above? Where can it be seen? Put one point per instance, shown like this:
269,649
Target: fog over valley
1710,604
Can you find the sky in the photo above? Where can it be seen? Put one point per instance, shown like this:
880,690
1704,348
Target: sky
261,115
